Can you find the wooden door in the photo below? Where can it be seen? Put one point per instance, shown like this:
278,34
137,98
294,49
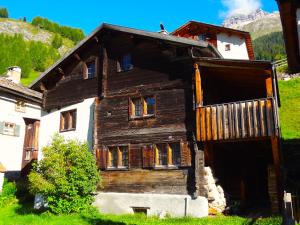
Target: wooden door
30,147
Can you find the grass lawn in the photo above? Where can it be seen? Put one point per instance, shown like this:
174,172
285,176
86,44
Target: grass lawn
290,108
32,76
16,214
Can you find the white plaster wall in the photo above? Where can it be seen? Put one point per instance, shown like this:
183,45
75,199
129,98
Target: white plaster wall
159,204
50,122
298,25
238,47
11,147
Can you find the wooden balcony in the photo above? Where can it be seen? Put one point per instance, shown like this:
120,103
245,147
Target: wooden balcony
237,120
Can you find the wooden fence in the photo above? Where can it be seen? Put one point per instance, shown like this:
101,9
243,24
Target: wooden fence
236,120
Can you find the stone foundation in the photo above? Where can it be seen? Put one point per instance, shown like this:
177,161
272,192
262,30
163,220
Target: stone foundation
154,204
215,193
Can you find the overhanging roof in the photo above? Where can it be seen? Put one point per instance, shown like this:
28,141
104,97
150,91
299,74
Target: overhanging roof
147,34
213,27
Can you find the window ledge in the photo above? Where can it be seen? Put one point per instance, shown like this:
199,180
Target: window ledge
117,168
73,129
169,167
142,117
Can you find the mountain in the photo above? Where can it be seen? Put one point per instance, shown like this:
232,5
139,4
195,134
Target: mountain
257,23
32,33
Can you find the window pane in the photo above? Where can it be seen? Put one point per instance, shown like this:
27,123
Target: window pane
91,69
124,151
162,154
176,153
66,121
73,115
126,63
137,104
150,101
113,157
9,129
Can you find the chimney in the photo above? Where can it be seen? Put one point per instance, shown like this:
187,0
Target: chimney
14,74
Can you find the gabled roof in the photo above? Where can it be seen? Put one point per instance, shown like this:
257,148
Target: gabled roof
19,90
211,26
147,34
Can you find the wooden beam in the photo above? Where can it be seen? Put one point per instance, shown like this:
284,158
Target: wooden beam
104,72
77,57
269,87
199,100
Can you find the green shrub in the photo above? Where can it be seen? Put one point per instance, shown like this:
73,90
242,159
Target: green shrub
66,176
57,41
8,194
3,13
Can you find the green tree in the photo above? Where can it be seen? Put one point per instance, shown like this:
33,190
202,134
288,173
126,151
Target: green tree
57,41
3,13
66,176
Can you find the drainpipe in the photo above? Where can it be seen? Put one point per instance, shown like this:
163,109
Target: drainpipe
185,206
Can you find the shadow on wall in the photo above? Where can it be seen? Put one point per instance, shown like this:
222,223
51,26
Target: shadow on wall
90,138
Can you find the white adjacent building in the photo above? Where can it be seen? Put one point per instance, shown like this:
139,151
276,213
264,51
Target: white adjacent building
19,123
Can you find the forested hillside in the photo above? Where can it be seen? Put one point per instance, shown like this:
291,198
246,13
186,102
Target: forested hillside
269,47
34,47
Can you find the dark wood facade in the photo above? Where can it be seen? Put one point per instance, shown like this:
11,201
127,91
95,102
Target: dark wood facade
288,12
181,81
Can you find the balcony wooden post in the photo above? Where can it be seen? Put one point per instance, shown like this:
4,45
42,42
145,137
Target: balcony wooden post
199,100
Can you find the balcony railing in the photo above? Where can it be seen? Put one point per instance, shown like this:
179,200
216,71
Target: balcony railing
237,120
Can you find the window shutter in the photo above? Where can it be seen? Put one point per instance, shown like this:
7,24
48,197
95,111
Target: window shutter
1,127
148,157
101,156
84,71
17,130
185,154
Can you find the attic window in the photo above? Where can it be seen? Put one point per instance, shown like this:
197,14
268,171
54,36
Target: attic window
202,37
125,63
89,69
227,47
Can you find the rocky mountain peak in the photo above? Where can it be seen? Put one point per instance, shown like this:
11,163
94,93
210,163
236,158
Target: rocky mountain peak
232,21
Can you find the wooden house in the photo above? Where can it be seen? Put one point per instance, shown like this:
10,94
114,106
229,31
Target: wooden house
231,43
157,109
290,19
19,123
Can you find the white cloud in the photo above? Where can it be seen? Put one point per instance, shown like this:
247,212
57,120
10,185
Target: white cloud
240,6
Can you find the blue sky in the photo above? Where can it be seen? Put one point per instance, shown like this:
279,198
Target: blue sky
140,14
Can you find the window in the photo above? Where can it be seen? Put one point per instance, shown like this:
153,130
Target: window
142,107
89,69
137,107
125,63
113,157
176,156
68,120
168,154
161,155
20,106
9,128
118,157
149,105
27,155
227,47
202,37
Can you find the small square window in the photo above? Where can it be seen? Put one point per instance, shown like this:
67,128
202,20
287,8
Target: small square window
68,120
202,37
227,47
27,155
142,107
20,106
89,69
125,63
9,128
